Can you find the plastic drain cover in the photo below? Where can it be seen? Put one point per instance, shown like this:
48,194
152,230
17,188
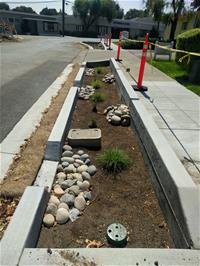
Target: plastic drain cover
117,234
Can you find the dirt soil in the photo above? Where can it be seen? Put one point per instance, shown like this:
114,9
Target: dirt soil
95,45
26,164
129,199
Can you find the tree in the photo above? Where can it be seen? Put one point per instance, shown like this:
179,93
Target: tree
196,4
134,13
120,11
23,9
90,10
49,11
4,6
157,11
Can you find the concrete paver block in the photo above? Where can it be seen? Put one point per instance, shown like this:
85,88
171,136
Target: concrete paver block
24,228
88,138
61,127
79,77
111,257
46,174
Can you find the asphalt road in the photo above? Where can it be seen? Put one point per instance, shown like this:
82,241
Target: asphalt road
27,70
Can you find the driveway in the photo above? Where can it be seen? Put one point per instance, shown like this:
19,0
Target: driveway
27,70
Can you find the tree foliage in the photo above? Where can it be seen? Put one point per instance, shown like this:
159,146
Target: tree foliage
4,6
49,11
196,4
23,9
90,10
134,13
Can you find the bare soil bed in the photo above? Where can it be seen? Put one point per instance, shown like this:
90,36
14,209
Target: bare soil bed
128,199
95,45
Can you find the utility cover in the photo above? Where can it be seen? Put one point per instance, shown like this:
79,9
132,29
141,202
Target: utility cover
117,235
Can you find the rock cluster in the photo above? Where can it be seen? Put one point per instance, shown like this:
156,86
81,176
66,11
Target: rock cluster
108,78
90,72
71,190
118,115
86,92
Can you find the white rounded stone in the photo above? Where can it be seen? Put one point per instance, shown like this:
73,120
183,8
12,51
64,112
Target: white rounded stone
48,220
53,199
62,216
80,203
82,168
63,205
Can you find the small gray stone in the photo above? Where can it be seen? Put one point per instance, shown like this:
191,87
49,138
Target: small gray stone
80,152
68,198
87,161
84,157
65,164
74,214
77,176
67,148
118,113
70,169
86,176
80,162
76,156
67,159
53,199
87,195
68,183
61,175
59,168
51,208
62,216
48,220
80,203
92,170
67,154
74,189
63,205
84,185
115,120
76,165
82,168
125,120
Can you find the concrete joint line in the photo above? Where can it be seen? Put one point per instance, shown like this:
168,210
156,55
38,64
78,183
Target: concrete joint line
24,128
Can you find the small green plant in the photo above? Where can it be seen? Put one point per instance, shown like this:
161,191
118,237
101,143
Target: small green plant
96,98
114,160
99,70
96,84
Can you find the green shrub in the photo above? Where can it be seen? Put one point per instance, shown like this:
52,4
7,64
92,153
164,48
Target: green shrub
114,160
99,70
96,84
96,98
188,41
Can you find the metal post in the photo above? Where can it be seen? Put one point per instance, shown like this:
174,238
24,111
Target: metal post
63,18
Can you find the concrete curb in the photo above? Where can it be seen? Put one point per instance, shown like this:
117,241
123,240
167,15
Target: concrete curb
87,46
79,77
105,48
111,257
24,228
61,127
46,175
173,178
10,146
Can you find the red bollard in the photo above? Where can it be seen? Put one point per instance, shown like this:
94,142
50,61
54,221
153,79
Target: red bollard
119,47
139,86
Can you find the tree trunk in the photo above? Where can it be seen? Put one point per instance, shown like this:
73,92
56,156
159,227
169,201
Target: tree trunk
173,28
158,26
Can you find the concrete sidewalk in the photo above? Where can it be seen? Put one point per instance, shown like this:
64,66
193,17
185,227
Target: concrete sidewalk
175,109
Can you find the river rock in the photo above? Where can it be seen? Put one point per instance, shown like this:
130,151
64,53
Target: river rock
67,159
76,156
51,208
125,120
77,176
74,189
76,165
63,205
70,169
80,152
80,203
115,120
86,176
67,154
84,156
53,199
65,164
58,191
67,148
68,198
62,216
61,175
59,168
48,220
80,162
87,195
87,161
74,214
84,185
92,170
68,183
82,168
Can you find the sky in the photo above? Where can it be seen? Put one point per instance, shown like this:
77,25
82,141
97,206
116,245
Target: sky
125,4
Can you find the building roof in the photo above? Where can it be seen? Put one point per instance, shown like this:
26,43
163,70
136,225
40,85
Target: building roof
27,15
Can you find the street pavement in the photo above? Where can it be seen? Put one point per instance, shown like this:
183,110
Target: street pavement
27,70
